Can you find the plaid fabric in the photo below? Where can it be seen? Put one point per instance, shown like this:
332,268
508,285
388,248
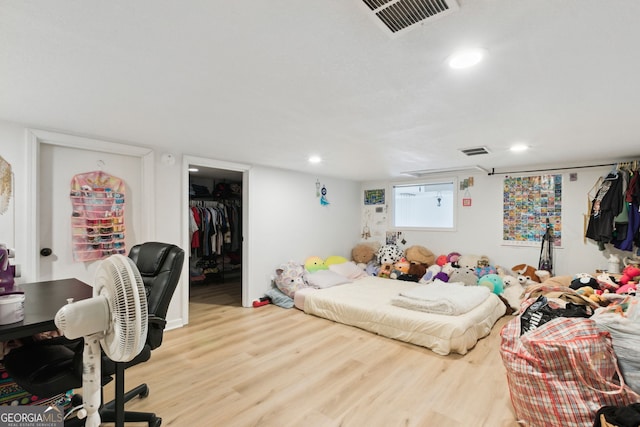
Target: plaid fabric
561,373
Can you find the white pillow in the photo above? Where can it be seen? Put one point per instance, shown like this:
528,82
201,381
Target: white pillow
322,279
349,270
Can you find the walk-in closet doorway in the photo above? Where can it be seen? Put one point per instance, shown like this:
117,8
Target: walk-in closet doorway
215,214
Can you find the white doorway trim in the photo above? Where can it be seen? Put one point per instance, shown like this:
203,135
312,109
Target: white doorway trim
37,137
186,239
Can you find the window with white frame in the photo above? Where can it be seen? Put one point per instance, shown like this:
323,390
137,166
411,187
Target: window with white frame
425,204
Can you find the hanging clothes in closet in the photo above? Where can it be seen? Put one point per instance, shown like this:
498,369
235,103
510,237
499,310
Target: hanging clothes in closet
216,233
614,216
627,224
212,221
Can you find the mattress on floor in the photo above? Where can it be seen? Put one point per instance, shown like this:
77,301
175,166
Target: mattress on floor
366,304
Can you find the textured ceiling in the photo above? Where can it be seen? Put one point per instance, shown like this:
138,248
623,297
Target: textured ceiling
272,82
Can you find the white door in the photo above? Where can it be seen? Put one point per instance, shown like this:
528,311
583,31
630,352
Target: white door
57,166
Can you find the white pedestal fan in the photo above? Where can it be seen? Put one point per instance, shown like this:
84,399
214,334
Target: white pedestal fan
115,318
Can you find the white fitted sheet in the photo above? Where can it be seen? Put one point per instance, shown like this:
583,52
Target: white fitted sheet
366,304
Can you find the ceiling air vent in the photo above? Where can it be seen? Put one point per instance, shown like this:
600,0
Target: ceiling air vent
400,15
475,151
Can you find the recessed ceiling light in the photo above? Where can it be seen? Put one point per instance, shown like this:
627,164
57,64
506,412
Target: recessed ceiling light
315,159
518,148
193,169
466,58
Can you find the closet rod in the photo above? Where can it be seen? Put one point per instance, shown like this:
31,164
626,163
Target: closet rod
493,170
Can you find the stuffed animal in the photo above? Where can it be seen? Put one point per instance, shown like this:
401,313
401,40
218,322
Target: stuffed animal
585,291
290,277
464,275
372,269
606,282
526,270
402,265
430,275
388,254
362,253
335,259
314,263
525,281
418,270
629,288
448,269
399,268
442,276
629,273
590,294
583,279
453,257
543,275
385,271
507,276
473,261
441,260
513,292
493,282
420,255
487,269
510,280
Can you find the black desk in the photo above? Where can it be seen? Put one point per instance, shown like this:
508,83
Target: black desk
42,300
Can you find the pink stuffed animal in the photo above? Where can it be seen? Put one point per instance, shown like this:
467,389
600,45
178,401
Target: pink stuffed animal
628,274
629,288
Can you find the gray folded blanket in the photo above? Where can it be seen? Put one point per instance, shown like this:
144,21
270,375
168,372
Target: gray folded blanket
279,299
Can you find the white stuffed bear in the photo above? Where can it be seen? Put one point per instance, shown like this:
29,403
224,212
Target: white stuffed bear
526,281
513,292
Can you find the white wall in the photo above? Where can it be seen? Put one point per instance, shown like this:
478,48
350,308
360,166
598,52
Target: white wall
286,220
479,227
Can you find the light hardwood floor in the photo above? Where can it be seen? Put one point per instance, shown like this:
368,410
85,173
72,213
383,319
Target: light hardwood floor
269,366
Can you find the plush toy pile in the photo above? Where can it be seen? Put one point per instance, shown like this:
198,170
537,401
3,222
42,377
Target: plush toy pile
419,264
604,288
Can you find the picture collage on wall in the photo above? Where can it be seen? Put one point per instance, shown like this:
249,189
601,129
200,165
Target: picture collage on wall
97,219
529,202
374,215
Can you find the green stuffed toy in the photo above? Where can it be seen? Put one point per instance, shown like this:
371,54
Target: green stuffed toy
314,263
493,282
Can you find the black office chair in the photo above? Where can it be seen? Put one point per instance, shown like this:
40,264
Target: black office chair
50,367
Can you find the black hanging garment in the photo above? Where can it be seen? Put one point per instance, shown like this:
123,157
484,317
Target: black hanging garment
546,255
606,206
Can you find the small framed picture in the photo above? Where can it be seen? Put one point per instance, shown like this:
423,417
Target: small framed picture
374,197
